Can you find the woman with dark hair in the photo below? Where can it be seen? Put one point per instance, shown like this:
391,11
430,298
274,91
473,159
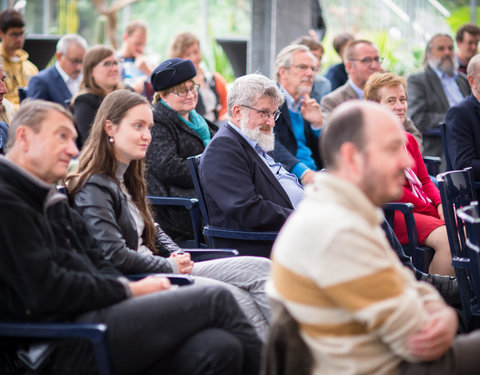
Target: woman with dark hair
179,132
109,191
391,91
100,76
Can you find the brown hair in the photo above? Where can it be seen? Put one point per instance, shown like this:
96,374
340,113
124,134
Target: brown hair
10,18
135,25
346,124
349,53
310,42
378,80
92,58
341,40
470,28
98,157
180,43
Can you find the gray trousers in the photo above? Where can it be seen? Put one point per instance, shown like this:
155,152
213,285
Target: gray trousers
245,278
463,358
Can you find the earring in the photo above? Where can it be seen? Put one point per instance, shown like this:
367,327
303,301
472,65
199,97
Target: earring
111,140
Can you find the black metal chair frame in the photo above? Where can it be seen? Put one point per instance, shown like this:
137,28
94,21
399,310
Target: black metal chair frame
212,232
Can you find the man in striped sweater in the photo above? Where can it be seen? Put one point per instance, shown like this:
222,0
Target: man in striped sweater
360,311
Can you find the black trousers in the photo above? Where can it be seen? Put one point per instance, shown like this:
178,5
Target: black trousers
190,330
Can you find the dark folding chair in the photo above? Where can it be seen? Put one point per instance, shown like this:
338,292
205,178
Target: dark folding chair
211,233
191,205
432,163
196,248
97,334
467,266
456,191
443,135
421,255
22,94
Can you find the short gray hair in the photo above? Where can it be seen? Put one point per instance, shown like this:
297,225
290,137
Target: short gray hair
245,90
67,40
473,65
285,57
31,114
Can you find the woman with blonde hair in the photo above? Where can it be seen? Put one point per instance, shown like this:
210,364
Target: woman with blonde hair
391,91
100,76
109,191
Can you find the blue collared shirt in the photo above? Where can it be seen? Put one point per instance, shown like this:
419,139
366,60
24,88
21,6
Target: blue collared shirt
288,181
450,86
304,154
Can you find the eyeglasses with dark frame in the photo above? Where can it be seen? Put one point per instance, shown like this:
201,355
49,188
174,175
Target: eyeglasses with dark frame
74,61
183,93
265,115
369,60
304,67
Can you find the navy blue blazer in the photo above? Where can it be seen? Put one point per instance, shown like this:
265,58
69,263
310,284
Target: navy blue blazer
463,134
240,190
286,143
49,85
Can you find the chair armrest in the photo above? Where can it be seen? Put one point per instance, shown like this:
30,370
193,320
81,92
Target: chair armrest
187,203
175,279
94,332
199,255
210,231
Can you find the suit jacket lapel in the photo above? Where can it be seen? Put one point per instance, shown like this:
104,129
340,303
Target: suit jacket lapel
60,84
263,167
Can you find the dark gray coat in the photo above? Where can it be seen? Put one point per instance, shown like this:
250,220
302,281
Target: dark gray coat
167,170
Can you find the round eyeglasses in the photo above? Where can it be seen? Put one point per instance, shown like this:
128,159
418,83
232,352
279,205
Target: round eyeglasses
265,115
183,93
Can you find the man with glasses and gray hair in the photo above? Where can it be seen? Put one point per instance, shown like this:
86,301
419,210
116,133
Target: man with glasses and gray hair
60,82
298,127
361,61
245,188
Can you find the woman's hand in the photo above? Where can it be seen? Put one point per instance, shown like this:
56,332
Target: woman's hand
440,212
183,261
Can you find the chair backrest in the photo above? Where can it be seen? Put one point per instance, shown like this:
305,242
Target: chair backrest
193,163
443,135
22,93
456,190
468,266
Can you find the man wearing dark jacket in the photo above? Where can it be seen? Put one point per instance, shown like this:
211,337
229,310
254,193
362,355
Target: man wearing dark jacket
298,127
463,132
51,270
245,188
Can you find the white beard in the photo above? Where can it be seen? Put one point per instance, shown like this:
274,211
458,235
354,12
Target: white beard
265,141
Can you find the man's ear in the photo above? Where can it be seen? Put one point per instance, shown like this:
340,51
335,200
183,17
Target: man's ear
236,112
350,157
348,66
23,137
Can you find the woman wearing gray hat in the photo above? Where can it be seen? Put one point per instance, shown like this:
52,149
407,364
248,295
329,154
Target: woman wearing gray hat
179,132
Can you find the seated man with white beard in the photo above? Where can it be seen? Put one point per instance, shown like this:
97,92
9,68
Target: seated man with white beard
245,188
